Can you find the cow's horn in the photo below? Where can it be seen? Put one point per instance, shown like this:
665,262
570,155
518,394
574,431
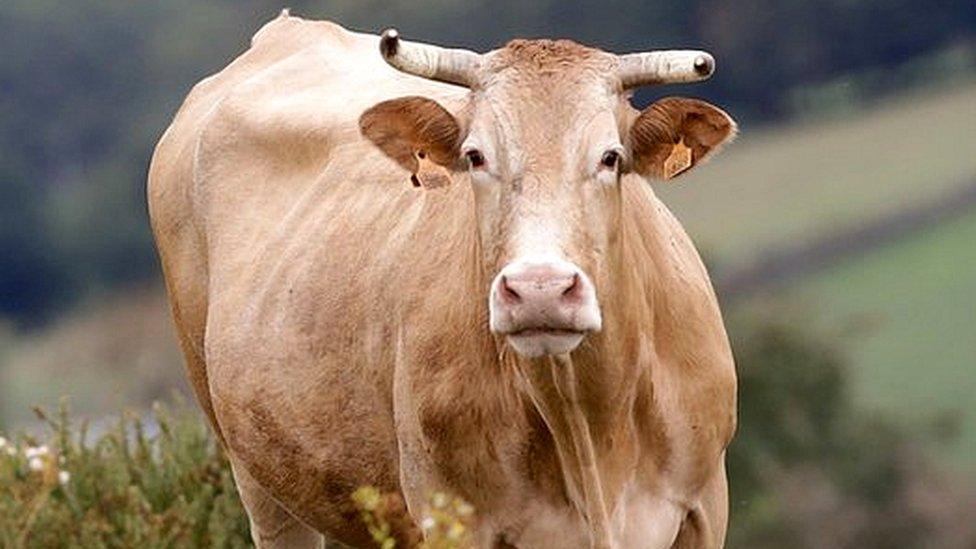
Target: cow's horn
445,64
664,67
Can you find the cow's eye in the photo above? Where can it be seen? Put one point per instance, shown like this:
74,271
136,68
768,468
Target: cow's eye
475,158
610,159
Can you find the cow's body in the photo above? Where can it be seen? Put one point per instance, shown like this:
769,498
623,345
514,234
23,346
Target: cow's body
334,321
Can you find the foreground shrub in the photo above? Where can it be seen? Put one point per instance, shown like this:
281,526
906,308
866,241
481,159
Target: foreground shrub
810,468
161,481
446,523
123,488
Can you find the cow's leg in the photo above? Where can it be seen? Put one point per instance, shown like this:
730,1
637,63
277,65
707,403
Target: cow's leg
705,526
272,527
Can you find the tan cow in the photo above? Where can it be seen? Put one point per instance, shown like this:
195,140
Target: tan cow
538,336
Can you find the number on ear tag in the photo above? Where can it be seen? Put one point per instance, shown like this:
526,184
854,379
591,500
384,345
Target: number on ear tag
678,161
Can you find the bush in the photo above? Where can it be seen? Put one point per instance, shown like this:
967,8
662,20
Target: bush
125,488
446,523
172,488
809,468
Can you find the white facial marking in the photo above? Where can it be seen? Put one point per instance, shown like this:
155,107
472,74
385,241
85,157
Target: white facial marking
544,305
528,200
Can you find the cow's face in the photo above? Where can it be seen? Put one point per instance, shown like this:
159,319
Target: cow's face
545,139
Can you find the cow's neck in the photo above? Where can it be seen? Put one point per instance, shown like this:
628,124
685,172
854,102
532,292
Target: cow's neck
587,401
563,412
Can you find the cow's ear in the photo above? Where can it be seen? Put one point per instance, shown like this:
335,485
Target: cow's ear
674,134
420,134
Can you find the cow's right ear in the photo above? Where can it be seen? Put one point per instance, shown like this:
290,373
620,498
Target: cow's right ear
420,134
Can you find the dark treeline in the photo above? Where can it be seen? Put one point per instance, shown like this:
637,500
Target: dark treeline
87,87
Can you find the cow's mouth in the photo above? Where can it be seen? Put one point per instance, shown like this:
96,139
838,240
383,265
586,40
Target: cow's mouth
527,332
536,342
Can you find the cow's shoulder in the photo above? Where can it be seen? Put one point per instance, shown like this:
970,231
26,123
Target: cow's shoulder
296,93
300,89
275,43
303,76
285,43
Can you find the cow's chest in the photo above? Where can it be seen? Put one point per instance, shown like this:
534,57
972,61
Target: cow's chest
516,479
641,519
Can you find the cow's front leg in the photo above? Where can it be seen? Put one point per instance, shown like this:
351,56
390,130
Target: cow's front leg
706,524
272,527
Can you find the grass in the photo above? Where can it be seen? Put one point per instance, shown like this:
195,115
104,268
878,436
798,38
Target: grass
787,185
909,309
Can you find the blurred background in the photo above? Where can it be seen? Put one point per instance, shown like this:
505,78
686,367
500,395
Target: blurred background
840,228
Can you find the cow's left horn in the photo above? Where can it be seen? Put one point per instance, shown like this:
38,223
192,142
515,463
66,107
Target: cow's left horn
664,67
455,66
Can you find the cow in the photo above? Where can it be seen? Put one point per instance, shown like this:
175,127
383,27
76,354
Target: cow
423,269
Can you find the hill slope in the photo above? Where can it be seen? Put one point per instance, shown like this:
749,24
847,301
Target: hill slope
911,310
790,185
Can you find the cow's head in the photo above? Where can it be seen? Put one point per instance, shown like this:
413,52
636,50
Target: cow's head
546,136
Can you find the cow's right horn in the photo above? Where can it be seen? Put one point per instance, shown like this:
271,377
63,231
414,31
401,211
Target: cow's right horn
454,66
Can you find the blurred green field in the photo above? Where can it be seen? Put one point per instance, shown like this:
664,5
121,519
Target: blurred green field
789,185
909,309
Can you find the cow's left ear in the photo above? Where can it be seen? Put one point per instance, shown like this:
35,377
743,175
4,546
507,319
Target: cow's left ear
420,134
674,134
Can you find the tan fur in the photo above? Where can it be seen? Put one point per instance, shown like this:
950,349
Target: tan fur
547,55
334,319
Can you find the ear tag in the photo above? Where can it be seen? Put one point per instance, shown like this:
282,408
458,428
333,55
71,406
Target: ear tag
429,174
678,161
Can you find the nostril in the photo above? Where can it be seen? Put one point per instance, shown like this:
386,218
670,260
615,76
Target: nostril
573,287
507,291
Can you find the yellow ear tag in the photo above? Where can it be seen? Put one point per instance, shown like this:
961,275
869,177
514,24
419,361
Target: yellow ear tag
429,174
678,161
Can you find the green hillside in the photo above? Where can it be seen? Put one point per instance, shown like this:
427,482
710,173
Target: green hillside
909,309
787,185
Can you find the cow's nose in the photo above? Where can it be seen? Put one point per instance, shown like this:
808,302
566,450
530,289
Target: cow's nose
543,306
540,285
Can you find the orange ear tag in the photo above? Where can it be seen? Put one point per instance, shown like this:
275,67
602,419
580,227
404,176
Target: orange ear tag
678,161
429,174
